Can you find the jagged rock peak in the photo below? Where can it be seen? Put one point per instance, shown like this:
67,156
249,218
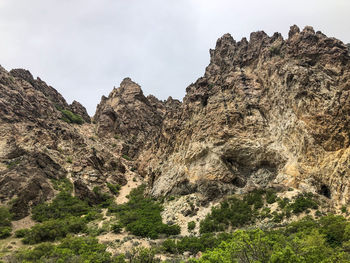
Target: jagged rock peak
293,30
49,92
79,109
127,89
267,110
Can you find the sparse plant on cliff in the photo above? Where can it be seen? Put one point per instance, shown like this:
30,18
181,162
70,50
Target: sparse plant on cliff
5,222
71,117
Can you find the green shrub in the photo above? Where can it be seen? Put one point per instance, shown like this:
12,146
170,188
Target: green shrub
302,202
5,222
282,203
271,196
233,212
64,205
114,188
54,229
191,225
70,117
117,228
105,199
142,255
141,216
22,232
126,157
194,244
71,249
13,163
5,231
255,198
62,185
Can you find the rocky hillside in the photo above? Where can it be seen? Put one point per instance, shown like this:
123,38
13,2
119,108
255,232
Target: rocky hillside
266,129
267,112
41,144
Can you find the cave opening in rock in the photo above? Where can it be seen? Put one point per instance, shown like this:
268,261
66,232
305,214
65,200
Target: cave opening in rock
325,191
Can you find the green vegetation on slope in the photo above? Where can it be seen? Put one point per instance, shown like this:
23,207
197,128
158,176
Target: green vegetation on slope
141,216
5,222
71,249
235,212
64,205
307,240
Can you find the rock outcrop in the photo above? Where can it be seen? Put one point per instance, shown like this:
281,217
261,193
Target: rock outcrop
128,114
39,150
79,109
267,111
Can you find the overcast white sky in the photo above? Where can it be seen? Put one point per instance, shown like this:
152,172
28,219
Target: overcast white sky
85,47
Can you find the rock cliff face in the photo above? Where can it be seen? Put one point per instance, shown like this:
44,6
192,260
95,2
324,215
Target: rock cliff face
38,149
128,114
267,112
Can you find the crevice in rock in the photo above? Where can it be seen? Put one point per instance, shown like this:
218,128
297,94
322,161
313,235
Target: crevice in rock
325,191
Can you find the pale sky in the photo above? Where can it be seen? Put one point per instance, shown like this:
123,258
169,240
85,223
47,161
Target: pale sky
85,47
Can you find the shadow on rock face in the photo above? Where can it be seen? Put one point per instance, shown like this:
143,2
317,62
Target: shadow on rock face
26,181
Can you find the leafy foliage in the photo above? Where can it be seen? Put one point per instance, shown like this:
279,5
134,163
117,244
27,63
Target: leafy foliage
62,185
194,244
307,240
54,229
141,216
302,203
70,117
233,212
5,222
191,225
114,188
71,249
64,205
105,200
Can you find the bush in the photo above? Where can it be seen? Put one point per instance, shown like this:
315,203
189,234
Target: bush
114,188
271,196
22,232
117,228
105,200
5,231
255,198
52,230
191,225
64,205
142,255
5,222
72,249
233,212
126,157
141,216
62,185
70,117
194,244
302,202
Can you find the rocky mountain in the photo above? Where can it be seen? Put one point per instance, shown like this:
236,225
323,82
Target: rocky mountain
269,113
38,148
